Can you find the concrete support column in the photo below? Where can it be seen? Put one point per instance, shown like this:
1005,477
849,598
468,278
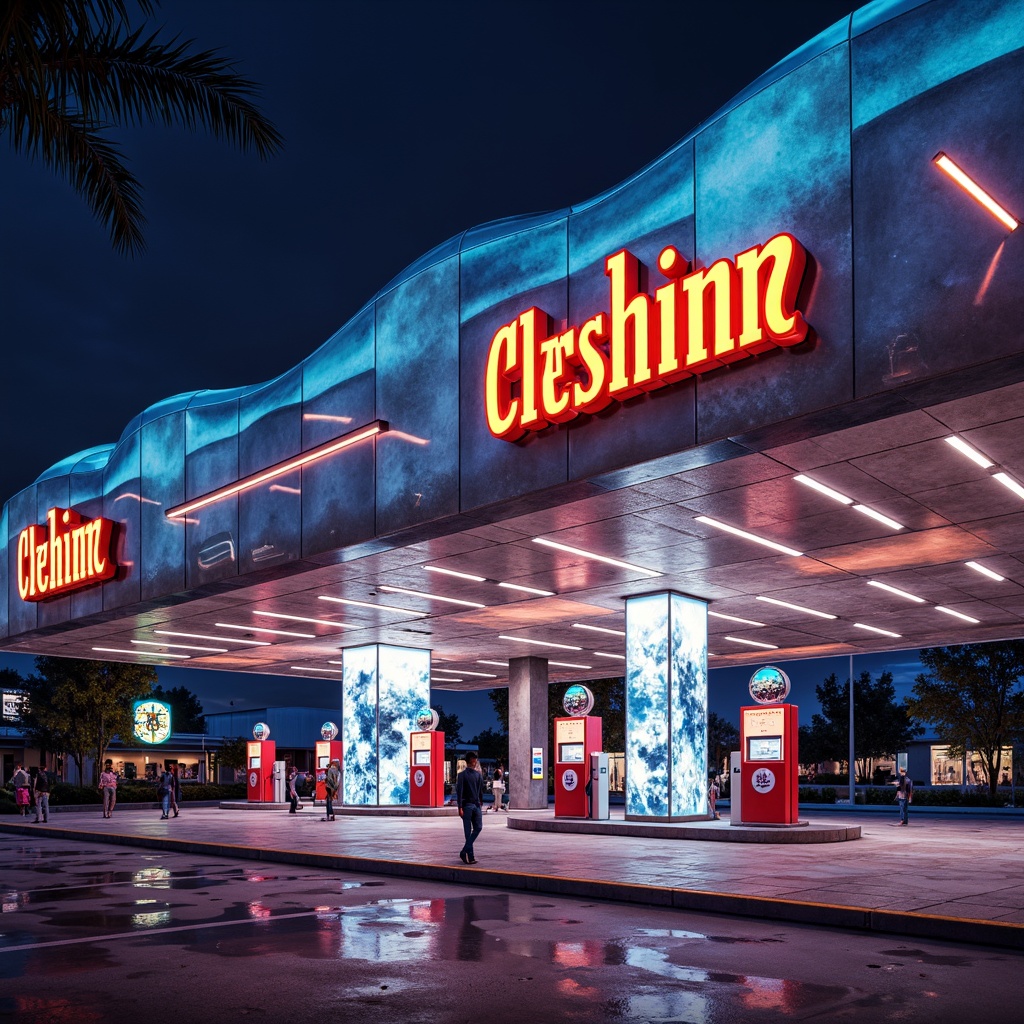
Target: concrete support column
527,729
382,690
666,707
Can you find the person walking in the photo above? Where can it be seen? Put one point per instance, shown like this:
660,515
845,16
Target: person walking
713,797
108,788
42,796
21,782
332,783
175,789
904,795
293,790
498,786
163,791
469,795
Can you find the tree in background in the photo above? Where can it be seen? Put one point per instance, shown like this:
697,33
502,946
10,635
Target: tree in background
186,708
881,726
972,695
450,724
491,744
723,738
234,754
78,707
72,70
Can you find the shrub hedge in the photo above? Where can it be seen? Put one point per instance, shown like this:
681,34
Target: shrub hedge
127,792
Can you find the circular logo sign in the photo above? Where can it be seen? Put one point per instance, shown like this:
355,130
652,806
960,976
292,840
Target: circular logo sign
769,685
569,780
426,720
328,731
578,700
418,777
261,731
151,720
763,780
253,779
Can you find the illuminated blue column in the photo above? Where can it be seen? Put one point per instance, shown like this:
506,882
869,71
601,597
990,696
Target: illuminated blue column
666,707
382,689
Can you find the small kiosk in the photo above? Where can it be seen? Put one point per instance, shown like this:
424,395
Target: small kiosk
426,762
259,775
327,749
577,736
769,753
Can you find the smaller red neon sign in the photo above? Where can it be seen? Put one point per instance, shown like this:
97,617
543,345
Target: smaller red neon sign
68,553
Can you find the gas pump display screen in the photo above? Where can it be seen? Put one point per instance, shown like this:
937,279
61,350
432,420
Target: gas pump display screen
323,761
422,757
254,762
764,748
570,752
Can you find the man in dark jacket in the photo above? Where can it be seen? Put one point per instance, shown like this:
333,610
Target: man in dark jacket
469,795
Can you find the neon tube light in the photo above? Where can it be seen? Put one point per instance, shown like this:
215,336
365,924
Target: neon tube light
896,591
797,607
264,629
443,679
431,597
959,615
180,647
539,643
822,489
617,657
891,523
965,449
748,536
466,672
568,664
1007,481
985,572
370,604
752,643
875,629
499,664
596,557
255,479
458,575
204,636
528,590
975,191
302,618
141,654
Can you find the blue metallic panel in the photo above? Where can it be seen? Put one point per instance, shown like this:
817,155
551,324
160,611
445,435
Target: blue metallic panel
404,688
500,280
122,484
781,162
359,726
417,361
163,487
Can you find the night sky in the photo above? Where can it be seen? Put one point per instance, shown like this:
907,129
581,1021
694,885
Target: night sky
405,123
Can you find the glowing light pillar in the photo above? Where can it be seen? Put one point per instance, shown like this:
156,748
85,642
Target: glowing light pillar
666,707
382,689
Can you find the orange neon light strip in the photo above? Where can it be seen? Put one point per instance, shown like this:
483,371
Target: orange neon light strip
254,480
973,189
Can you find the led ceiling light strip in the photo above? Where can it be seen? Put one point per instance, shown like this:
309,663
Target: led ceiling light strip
875,629
975,191
752,643
891,523
528,590
539,643
605,654
965,449
443,679
457,575
822,489
255,479
896,591
264,629
748,536
568,664
499,664
370,604
180,647
599,629
959,615
797,607
432,597
141,654
1007,481
596,557
302,618
204,636
303,668
735,618
986,572
466,672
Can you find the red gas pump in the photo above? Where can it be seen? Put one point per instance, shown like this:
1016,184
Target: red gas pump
327,749
770,753
259,774
426,769
576,738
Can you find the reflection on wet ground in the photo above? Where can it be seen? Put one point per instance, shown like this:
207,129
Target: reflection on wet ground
93,931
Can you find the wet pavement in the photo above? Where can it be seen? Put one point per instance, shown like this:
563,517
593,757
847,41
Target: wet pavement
958,878
98,932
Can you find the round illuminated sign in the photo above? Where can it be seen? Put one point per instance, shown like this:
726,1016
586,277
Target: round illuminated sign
261,731
763,780
151,721
427,720
328,731
769,685
569,780
578,700
418,778
253,779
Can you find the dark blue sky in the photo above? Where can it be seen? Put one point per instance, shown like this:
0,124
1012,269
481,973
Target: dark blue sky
405,123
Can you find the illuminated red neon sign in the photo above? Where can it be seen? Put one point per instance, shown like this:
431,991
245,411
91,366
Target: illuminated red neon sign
68,553
699,320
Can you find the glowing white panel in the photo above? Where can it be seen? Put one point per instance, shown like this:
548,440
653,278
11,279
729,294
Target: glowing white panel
666,706
359,726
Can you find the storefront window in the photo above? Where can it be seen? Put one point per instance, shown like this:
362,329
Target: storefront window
946,770
949,771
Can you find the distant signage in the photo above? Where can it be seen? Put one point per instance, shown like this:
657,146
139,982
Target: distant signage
68,553
13,704
151,721
537,770
699,320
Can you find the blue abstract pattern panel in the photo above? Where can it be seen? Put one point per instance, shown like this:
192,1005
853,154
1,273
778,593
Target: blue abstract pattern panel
688,715
359,726
666,706
647,706
403,688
